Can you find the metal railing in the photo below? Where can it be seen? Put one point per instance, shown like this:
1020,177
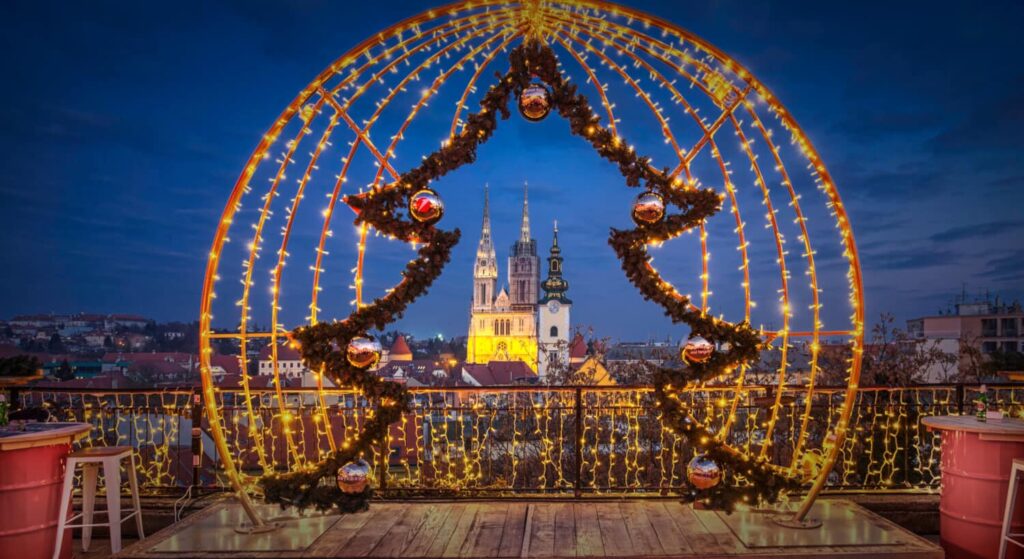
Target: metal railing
522,439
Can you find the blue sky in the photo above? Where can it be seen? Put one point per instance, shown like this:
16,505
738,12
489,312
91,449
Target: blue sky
124,125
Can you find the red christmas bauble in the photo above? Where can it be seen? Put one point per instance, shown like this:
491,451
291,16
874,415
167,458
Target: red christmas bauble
426,206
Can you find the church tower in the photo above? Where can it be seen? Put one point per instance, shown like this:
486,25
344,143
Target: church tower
503,324
553,334
524,266
485,269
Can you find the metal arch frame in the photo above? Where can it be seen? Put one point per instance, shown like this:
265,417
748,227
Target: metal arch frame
589,18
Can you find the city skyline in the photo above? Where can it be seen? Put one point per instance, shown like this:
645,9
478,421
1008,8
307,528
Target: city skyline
114,182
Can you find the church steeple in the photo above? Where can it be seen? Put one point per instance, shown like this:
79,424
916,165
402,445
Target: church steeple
524,228
523,265
555,285
485,269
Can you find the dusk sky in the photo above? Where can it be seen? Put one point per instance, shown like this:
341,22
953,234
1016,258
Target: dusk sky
124,126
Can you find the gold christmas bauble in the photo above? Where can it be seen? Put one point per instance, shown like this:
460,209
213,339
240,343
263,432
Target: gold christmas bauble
535,102
363,352
703,473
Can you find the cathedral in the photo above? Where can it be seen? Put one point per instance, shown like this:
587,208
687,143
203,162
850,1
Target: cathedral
518,323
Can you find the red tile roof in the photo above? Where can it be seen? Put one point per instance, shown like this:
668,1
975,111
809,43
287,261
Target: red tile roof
578,347
400,350
284,353
229,363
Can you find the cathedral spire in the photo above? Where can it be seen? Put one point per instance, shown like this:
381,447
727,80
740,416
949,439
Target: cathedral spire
524,229
486,247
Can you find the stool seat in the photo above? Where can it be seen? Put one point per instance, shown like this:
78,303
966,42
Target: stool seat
92,459
101,452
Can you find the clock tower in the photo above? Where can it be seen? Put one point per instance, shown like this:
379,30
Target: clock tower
553,315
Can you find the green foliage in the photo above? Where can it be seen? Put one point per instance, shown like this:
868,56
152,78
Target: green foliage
323,345
20,366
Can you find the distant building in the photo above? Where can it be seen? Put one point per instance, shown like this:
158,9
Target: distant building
288,365
985,326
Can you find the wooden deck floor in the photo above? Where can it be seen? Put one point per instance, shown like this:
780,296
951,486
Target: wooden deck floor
622,528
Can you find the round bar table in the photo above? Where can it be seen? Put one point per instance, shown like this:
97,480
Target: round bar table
32,460
976,461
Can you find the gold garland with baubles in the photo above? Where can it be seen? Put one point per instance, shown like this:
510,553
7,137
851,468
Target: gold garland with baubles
409,210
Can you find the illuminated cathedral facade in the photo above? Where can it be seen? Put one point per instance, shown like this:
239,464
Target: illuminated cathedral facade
505,323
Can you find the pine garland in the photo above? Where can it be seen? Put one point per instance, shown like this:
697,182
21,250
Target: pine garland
384,209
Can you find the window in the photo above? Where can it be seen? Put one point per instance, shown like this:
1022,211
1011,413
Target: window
988,347
555,266
988,327
1009,347
554,331
1008,327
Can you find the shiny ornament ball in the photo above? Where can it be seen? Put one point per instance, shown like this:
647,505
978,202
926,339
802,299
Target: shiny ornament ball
703,472
363,352
697,350
535,102
353,477
426,206
648,208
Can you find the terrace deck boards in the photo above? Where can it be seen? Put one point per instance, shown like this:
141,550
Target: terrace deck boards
542,528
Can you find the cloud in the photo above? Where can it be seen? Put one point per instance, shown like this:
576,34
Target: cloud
909,259
993,125
980,230
1009,267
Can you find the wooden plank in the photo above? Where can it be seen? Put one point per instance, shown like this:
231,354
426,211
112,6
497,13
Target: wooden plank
719,530
460,529
334,540
671,538
588,531
404,532
442,532
645,539
565,530
542,531
434,527
692,529
484,538
374,531
614,534
512,533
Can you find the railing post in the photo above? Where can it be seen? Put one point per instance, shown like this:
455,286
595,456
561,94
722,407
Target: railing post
197,437
578,444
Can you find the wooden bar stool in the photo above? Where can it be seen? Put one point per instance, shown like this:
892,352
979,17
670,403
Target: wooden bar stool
1011,498
91,459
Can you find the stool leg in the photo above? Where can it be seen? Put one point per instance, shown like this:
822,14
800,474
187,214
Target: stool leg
89,473
1011,498
134,484
112,481
65,500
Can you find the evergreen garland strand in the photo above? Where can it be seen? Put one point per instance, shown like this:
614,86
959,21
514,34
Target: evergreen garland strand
323,345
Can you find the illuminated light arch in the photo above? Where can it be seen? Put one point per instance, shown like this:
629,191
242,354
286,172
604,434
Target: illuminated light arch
471,34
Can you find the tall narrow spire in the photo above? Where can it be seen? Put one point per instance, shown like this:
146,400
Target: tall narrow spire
524,229
487,212
486,247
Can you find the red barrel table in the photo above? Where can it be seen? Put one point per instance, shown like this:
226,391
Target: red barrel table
31,477
976,461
